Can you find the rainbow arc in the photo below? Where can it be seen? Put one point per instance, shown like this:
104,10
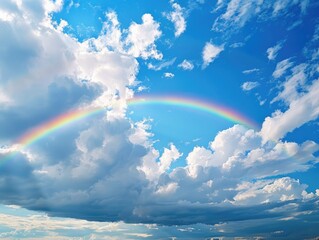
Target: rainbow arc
62,120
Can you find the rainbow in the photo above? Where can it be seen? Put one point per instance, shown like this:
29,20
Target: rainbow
54,124
58,122
196,104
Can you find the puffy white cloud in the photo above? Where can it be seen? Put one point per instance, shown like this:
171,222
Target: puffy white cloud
138,40
272,52
247,86
153,169
177,17
210,52
186,65
199,157
238,151
141,38
281,189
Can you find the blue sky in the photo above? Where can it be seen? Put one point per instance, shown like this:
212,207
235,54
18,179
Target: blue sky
160,171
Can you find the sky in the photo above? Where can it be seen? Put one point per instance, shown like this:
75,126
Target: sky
166,119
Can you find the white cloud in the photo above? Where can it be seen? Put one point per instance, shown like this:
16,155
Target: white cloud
167,189
141,37
138,40
281,189
249,71
282,67
178,18
186,65
152,169
199,157
247,86
219,4
161,65
272,52
292,86
169,75
210,52
301,110
112,34
239,12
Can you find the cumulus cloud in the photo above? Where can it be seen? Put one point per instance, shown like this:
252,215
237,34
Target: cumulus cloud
281,189
141,38
224,175
138,40
247,86
186,65
210,52
177,17
58,73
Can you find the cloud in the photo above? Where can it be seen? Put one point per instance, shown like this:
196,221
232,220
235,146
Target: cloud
138,40
239,12
270,191
169,75
186,65
247,86
141,38
272,52
210,52
249,71
177,17
282,67
38,225
300,111
294,84
161,65
152,168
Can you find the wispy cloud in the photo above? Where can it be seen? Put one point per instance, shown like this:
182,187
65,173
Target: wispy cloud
282,67
161,65
177,17
247,86
249,71
272,52
239,12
